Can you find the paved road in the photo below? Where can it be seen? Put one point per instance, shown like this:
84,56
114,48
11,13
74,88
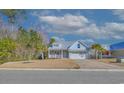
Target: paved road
60,77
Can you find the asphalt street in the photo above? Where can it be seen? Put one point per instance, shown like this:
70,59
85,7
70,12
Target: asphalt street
60,77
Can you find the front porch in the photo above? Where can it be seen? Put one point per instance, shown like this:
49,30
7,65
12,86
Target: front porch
57,54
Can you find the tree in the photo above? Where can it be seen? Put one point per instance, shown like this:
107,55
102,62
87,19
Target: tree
26,42
10,13
98,50
13,15
7,47
31,43
101,50
52,40
23,43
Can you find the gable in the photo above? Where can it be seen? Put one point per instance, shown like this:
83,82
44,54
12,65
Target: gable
77,46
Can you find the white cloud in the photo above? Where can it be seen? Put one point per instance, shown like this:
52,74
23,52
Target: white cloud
119,13
66,20
80,25
89,40
90,30
43,12
106,31
114,26
113,30
118,37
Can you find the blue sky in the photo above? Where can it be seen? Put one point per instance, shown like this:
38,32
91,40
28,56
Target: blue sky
98,26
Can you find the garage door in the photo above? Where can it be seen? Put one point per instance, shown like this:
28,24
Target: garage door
77,56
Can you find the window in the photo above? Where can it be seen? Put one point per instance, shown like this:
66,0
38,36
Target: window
78,45
56,45
50,45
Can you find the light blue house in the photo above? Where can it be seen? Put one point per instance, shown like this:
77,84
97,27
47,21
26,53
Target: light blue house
71,50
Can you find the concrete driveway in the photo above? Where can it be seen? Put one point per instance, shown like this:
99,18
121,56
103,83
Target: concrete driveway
94,64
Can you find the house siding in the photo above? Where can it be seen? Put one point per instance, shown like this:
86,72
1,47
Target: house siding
78,51
118,53
75,47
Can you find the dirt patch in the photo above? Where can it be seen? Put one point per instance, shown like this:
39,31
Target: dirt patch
43,64
96,64
112,61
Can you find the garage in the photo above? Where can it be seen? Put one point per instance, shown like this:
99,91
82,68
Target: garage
77,55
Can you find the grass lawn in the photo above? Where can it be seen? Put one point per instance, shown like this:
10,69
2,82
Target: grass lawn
43,64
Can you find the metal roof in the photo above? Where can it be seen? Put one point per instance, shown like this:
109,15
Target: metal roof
67,44
117,46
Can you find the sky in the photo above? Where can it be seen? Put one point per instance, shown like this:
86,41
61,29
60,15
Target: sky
95,26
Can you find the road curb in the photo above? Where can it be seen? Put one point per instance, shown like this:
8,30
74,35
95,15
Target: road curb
23,69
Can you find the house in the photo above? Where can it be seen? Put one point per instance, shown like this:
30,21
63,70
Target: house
117,50
69,49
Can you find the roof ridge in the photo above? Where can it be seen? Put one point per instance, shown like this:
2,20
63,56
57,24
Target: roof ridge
83,44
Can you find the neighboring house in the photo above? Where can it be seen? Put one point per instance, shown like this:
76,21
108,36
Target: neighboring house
71,50
117,50
107,52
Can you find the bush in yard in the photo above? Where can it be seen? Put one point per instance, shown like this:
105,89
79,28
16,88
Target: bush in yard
7,47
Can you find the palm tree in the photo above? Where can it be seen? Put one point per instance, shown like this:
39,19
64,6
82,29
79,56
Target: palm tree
52,40
98,50
101,50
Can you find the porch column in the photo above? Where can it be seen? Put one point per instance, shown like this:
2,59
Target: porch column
48,53
61,53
